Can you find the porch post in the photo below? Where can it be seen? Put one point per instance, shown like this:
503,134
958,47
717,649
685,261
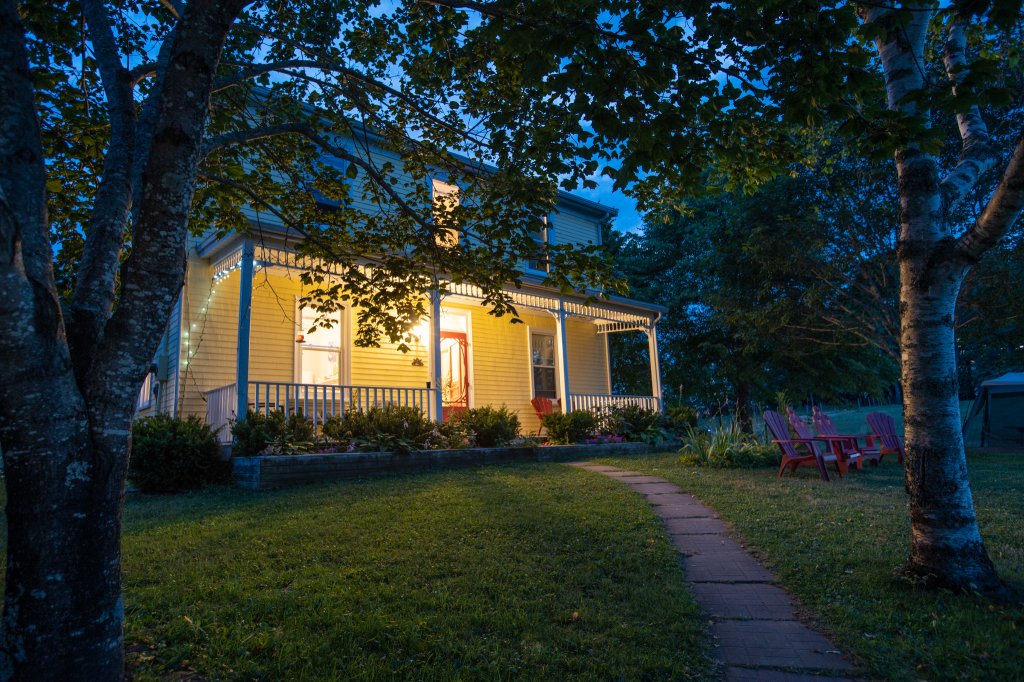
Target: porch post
562,370
244,323
434,362
652,351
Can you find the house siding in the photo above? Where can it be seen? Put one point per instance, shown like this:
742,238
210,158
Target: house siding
208,337
574,229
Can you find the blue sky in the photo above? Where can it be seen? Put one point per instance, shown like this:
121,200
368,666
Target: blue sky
629,219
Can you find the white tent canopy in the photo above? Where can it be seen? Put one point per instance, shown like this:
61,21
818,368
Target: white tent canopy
1001,402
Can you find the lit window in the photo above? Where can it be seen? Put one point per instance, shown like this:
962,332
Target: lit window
446,199
320,349
542,354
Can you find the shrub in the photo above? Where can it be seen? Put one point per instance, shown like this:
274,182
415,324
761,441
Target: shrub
570,428
449,435
727,448
633,423
490,426
170,455
275,432
680,417
381,429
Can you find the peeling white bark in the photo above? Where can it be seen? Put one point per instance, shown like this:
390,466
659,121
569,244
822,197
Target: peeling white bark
946,544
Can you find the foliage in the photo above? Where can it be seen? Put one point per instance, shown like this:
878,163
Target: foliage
747,298
391,428
571,427
726,447
171,455
839,547
449,435
490,426
272,433
633,423
678,416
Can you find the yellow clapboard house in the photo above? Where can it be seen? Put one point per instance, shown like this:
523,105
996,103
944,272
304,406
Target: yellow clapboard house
238,340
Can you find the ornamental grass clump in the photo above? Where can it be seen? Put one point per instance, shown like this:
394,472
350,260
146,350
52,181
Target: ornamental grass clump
726,448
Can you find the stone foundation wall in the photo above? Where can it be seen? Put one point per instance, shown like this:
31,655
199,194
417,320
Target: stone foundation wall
281,471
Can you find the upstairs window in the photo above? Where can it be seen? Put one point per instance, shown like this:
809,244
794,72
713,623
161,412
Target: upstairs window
445,200
545,235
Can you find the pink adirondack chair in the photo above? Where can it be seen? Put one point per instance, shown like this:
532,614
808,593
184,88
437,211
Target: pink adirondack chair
884,428
791,458
843,456
868,451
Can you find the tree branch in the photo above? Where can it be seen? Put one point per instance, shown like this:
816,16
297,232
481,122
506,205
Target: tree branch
34,361
978,155
93,298
154,272
1001,211
142,71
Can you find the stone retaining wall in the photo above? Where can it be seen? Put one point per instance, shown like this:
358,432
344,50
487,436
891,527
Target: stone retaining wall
280,471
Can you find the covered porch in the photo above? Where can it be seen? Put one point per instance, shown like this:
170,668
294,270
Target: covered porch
466,358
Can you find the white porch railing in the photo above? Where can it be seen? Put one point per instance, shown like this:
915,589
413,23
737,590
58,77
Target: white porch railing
597,402
220,410
317,402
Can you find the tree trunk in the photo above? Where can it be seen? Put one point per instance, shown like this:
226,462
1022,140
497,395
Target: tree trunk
63,613
744,418
946,545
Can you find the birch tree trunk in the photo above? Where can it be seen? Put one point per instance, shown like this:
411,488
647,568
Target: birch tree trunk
946,544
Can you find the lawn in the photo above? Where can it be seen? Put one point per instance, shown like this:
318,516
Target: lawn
838,547
854,420
531,572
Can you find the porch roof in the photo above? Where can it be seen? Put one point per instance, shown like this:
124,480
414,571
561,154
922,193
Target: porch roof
610,313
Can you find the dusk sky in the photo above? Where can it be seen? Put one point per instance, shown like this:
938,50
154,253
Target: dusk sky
629,219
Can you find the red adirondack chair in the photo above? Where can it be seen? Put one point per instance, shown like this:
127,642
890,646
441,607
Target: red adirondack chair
543,406
868,451
791,459
843,456
884,428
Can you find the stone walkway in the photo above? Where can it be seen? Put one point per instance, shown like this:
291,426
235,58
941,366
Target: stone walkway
759,638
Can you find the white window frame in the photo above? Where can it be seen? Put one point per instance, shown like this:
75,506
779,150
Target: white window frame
530,331
344,347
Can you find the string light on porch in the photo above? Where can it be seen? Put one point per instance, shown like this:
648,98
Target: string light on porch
218,277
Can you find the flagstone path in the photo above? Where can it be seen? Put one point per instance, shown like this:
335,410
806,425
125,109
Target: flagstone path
759,638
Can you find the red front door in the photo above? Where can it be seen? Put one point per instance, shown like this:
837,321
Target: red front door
454,373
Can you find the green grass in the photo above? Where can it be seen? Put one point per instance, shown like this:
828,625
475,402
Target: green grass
838,547
531,572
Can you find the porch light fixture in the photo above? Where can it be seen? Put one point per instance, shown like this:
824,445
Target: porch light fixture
301,338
